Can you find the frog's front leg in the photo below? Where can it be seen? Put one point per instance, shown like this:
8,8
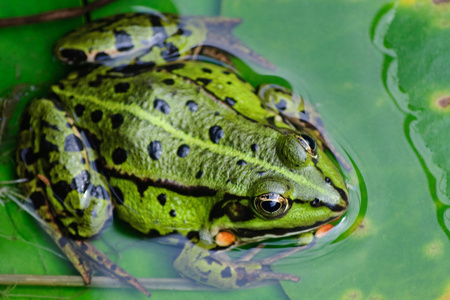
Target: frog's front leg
216,269
66,189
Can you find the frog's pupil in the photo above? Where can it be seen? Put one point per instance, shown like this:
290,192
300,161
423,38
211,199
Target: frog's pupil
310,141
271,206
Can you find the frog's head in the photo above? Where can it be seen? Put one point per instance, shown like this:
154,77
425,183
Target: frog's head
306,193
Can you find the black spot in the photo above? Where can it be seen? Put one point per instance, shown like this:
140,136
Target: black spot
206,70
172,67
226,273
79,110
113,267
192,105
254,147
183,150
95,83
229,82
282,105
27,156
73,55
261,173
118,195
79,213
226,72
98,192
162,199
199,174
38,199
241,162
61,86
123,40
328,180
204,81
215,134
60,190
171,52
68,125
116,120
119,156
216,113
72,143
155,150
243,281
230,101
169,81
102,56
121,87
62,242
83,161
172,213
25,124
161,105
96,116
81,182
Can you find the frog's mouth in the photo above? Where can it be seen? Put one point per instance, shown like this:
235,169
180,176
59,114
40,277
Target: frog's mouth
251,235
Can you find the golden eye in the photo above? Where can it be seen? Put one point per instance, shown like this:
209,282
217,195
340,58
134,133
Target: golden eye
308,143
271,205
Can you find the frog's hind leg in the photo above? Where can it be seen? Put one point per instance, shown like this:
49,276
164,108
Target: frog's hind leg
64,186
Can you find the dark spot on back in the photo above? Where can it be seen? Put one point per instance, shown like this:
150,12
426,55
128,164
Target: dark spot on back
230,101
72,143
254,147
102,56
123,40
192,105
119,156
282,105
206,70
183,150
121,87
169,81
96,116
161,105
162,199
215,134
199,174
116,120
226,273
79,110
241,162
173,213
204,81
60,190
155,150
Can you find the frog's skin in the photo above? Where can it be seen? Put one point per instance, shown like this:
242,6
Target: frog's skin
185,146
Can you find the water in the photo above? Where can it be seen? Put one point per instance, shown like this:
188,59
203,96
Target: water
393,242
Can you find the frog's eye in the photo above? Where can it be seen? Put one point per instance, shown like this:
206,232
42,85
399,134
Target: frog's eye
271,205
308,143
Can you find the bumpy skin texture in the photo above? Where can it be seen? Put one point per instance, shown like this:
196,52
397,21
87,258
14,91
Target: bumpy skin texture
183,146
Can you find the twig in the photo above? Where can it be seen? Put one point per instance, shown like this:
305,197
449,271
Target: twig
52,15
99,282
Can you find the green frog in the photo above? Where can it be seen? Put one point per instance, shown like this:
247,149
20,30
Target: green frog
172,144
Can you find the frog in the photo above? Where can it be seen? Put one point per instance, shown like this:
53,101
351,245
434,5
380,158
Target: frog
172,143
